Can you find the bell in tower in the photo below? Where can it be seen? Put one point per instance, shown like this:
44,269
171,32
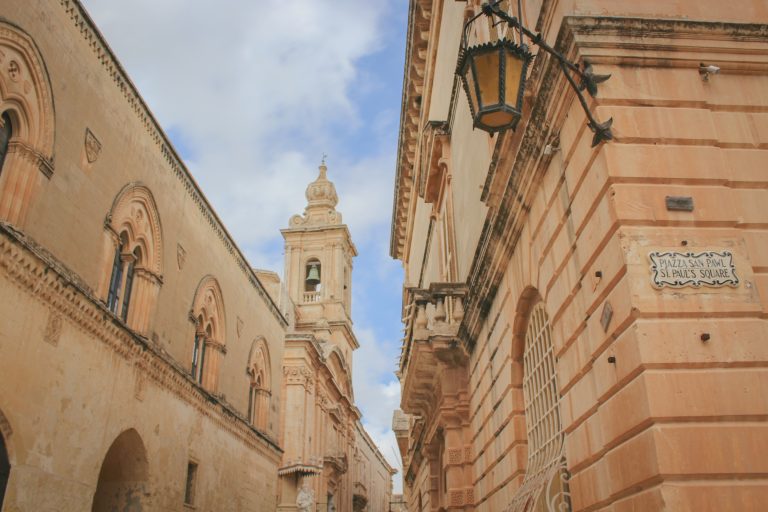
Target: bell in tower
313,277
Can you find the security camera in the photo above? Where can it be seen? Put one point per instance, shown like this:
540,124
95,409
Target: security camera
705,71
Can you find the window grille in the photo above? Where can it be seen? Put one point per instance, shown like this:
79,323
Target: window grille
546,468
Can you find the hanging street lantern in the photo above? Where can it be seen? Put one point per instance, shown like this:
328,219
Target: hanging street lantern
493,76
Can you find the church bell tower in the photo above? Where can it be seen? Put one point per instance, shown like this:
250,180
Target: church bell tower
318,267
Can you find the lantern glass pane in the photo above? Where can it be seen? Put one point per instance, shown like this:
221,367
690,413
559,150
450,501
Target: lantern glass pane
498,119
471,86
512,75
487,68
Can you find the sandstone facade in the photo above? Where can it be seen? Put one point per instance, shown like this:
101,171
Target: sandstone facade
144,364
544,359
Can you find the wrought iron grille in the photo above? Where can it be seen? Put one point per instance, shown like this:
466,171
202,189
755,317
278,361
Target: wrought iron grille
546,469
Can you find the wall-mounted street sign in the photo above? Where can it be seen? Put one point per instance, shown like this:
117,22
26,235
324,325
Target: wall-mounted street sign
679,269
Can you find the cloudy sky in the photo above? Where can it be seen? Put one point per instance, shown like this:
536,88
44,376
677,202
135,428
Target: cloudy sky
252,94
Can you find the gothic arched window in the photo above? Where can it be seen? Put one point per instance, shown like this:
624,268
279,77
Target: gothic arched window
546,476
210,334
132,270
259,389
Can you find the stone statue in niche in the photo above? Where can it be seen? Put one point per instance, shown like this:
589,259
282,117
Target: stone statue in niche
305,501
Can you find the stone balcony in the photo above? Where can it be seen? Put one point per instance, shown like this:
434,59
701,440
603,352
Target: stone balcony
431,342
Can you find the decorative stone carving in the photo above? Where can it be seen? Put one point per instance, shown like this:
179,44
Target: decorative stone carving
181,256
14,71
455,455
53,328
298,375
92,146
305,501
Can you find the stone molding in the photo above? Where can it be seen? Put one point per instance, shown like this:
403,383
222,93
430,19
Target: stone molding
39,274
114,69
419,24
299,376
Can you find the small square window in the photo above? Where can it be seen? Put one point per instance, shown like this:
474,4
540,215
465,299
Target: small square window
189,490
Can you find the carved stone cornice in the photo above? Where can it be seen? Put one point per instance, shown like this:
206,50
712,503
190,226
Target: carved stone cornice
36,272
419,25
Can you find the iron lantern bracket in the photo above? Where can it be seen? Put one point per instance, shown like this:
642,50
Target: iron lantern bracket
588,80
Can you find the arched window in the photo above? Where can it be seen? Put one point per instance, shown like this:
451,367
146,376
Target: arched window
6,132
133,257
27,119
545,486
210,336
259,387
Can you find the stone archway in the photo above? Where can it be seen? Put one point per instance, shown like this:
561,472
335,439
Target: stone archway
123,479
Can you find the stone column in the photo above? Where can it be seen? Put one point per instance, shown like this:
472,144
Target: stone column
213,353
145,290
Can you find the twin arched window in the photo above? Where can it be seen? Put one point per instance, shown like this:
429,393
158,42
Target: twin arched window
260,377
210,333
133,257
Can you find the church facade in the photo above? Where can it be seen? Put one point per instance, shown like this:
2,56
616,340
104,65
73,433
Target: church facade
585,327
144,365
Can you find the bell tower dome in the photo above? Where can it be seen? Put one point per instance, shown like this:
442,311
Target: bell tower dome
318,266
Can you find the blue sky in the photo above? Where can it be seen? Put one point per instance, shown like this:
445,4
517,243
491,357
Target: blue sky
252,94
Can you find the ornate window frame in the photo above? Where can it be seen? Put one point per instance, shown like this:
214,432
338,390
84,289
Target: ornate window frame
27,99
209,317
132,258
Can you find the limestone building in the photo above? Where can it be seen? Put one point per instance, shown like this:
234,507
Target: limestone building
144,365
569,344
326,449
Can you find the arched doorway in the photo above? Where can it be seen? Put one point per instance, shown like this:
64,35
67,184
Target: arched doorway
5,469
123,477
